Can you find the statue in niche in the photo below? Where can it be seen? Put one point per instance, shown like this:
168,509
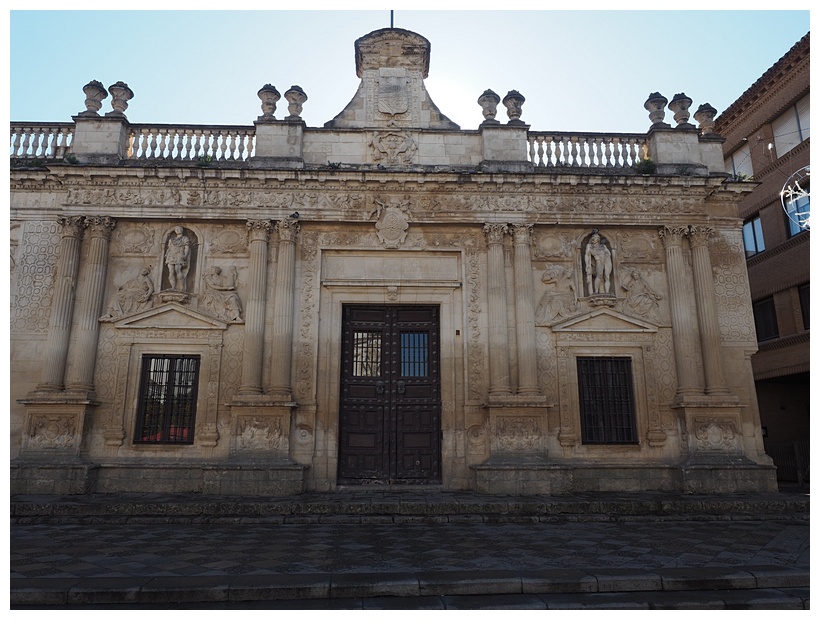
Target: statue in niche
598,265
220,298
561,300
640,297
178,260
133,296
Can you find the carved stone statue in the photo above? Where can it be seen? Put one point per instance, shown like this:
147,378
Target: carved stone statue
560,300
598,265
178,260
133,296
640,297
220,298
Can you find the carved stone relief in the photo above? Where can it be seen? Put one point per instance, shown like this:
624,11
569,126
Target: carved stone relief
641,299
638,247
133,239
228,240
392,147
597,265
219,296
259,433
53,432
560,300
715,434
36,266
134,295
517,433
391,223
732,287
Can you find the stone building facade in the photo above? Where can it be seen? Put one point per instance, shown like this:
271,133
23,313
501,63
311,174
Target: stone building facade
768,134
385,300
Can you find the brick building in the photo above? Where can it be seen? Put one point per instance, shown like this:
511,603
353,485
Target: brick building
767,139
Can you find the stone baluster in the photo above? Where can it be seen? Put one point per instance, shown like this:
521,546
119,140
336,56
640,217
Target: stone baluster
84,352
684,328
254,344
283,309
497,303
525,312
707,310
62,309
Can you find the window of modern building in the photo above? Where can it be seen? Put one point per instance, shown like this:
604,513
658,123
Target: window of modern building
804,304
167,400
739,163
606,399
765,319
798,211
753,237
792,127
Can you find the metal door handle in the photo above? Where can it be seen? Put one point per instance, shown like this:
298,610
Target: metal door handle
380,387
400,387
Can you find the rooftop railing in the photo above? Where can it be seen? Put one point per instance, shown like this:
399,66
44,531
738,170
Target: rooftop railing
191,142
585,150
41,140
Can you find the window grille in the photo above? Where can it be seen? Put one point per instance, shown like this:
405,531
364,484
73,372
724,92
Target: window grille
167,402
414,354
606,399
367,354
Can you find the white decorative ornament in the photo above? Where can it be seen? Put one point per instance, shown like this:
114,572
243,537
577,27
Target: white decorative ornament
795,195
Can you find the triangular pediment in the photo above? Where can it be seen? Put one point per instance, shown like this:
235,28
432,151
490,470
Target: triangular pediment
604,320
170,316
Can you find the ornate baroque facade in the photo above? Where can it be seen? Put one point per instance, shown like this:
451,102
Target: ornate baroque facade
388,299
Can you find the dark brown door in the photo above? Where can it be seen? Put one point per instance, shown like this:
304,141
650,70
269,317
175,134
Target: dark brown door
390,406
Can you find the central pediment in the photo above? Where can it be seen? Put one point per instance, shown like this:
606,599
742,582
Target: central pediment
170,316
604,320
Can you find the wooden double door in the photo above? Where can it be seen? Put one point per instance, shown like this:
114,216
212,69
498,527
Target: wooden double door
390,397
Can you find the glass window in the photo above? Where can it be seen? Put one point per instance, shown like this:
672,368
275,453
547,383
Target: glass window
167,402
798,211
753,237
606,399
414,354
739,163
765,319
804,304
792,127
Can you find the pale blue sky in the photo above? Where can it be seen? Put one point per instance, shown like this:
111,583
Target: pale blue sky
579,70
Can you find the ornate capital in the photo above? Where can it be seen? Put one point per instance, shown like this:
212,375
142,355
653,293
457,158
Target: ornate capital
100,226
287,229
673,235
522,233
259,230
495,232
72,225
699,235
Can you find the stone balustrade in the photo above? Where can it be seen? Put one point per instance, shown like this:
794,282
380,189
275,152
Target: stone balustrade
41,140
190,142
585,150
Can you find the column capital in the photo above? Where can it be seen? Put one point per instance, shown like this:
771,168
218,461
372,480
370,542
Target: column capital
522,233
73,225
287,229
259,230
495,232
673,235
100,226
699,235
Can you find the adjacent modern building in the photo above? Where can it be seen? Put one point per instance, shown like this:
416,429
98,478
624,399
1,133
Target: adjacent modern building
767,133
385,300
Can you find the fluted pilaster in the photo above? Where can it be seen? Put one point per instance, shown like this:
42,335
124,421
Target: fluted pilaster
62,308
84,353
497,308
525,312
283,309
707,310
254,343
684,328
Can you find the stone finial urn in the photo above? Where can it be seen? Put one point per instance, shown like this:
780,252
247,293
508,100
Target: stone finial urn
94,95
656,106
513,102
705,116
680,108
489,106
120,96
296,97
269,96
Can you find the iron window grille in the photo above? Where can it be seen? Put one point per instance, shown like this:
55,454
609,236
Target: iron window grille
607,400
167,400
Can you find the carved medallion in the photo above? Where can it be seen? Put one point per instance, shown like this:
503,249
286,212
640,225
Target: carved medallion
392,223
393,147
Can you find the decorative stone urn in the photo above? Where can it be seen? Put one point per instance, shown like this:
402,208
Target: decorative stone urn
296,97
705,116
269,96
513,102
120,96
489,102
680,107
656,106
94,95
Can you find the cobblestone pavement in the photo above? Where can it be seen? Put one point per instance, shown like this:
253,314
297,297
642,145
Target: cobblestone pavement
122,550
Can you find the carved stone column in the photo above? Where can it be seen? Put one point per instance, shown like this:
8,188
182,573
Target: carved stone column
253,343
525,312
84,353
707,310
283,310
62,310
497,303
684,327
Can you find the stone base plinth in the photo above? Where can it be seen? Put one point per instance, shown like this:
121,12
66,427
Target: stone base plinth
259,479
260,429
525,477
704,477
53,478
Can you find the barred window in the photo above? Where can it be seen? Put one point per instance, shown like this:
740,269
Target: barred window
167,401
606,399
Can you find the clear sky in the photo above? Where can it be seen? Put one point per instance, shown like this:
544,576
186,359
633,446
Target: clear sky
583,70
